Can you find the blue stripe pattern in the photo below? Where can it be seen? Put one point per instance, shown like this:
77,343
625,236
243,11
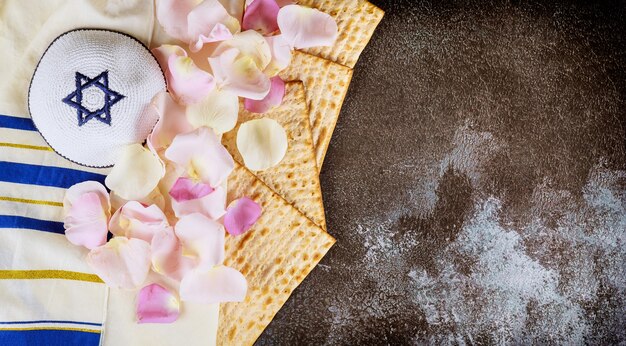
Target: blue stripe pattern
53,321
12,221
17,123
21,173
48,338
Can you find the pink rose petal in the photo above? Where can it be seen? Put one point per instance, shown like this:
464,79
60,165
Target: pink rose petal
202,238
87,209
77,190
186,189
234,7
155,197
305,27
172,15
86,222
155,304
211,205
281,54
249,44
188,83
273,99
281,3
167,255
166,252
164,52
240,74
261,15
202,155
122,262
210,22
218,285
134,220
219,33
172,121
241,215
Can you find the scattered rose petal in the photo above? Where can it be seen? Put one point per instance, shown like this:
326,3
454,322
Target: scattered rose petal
219,33
166,251
238,65
218,285
155,197
241,215
219,110
163,54
202,155
249,44
262,143
211,205
172,173
261,15
273,99
281,54
172,121
134,220
86,223
234,7
210,22
188,83
240,75
172,15
77,190
202,238
281,3
87,209
167,255
122,262
156,304
305,27
136,173
185,189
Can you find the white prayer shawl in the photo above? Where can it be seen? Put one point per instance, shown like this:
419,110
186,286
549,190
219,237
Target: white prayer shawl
47,292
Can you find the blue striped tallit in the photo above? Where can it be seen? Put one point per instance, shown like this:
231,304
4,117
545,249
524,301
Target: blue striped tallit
48,295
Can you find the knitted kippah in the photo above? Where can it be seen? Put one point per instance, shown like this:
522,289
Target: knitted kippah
89,95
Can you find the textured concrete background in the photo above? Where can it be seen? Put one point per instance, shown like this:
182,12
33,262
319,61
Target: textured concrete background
476,182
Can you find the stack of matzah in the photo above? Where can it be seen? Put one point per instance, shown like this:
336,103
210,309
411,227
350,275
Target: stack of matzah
290,238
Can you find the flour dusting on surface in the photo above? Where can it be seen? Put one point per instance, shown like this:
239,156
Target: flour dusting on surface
489,289
557,275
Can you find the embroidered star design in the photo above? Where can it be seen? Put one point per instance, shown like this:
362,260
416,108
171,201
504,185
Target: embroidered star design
75,99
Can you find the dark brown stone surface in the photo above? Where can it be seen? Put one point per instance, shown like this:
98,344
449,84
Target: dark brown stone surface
476,182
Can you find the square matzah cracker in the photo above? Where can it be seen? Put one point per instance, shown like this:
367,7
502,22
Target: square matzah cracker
295,178
356,20
275,256
326,85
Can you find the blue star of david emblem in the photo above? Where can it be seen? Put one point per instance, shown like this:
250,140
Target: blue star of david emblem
75,99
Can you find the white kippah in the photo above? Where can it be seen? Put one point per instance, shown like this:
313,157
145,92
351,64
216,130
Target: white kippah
90,92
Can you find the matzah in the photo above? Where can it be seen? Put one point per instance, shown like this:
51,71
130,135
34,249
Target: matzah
295,178
275,256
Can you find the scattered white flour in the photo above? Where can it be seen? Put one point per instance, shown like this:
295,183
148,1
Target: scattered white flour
492,300
472,149
557,277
